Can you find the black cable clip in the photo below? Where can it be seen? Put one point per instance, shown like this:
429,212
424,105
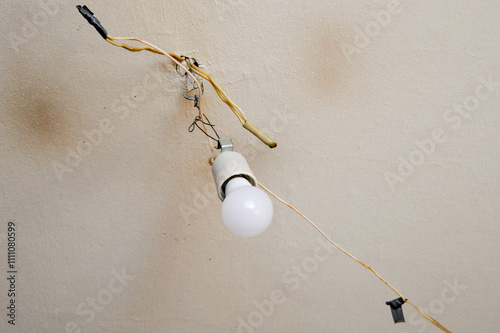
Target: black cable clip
397,310
89,16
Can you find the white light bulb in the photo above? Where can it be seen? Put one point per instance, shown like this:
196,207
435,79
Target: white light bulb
247,211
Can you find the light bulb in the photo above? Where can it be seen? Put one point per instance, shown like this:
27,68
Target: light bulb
247,211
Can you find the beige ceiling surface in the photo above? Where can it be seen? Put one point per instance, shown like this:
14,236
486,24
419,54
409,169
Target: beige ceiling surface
387,120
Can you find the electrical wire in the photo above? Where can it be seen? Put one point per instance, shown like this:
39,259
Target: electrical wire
175,58
420,311
205,122
191,68
178,60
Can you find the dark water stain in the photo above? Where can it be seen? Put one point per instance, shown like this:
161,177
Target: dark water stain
37,121
328,70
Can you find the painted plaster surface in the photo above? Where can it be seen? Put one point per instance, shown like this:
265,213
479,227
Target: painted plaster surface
387,120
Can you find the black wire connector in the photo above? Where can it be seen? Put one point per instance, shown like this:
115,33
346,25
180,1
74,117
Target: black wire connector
397,310
93,20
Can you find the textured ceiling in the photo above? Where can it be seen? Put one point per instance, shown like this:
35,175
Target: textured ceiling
386,118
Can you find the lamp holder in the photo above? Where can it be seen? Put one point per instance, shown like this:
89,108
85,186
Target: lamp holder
228,165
